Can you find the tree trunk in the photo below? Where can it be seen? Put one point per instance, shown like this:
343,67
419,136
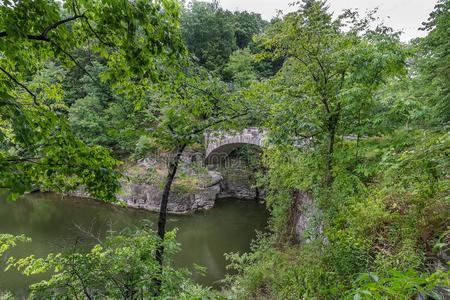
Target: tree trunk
159,255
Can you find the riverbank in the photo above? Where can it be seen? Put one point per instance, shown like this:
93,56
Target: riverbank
196,188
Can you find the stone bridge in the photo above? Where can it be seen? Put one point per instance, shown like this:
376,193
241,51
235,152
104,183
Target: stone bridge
219,144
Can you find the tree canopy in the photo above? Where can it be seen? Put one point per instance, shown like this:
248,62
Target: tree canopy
38,147
211,33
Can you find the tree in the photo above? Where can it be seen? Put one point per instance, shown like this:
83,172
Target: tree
247,25
331,72
186,106
209,34
212,34
241,68
38,148
97,119
432,64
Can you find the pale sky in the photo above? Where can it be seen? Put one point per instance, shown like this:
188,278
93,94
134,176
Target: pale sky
405,15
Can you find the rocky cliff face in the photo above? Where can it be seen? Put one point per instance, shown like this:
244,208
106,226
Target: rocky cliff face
146,196
306,216
205,187
195,188
238,183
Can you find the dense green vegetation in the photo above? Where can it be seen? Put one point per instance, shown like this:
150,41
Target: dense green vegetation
85,84
212,34
119,267
383,195
38,148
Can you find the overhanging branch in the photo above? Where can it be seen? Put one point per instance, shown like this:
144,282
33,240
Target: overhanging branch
12,78
55,25
44,35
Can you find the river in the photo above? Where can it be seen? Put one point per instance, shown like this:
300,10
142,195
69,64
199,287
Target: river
53,222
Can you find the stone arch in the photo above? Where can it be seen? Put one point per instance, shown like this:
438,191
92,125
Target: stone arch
220,144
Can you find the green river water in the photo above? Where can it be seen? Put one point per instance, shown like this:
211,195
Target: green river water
53,222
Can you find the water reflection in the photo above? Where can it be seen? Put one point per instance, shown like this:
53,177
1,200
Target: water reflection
53,222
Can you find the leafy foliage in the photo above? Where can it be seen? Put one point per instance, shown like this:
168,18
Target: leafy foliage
8,241
241,68
122,266
38,148
212,33
190,104
385,209
400,285
330,75
112,122
433,64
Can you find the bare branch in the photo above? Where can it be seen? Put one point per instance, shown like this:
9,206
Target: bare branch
89,233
